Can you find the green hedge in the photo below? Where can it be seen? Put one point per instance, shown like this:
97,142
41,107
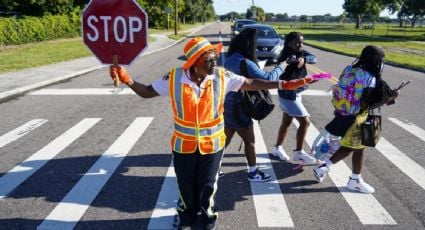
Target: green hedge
15,31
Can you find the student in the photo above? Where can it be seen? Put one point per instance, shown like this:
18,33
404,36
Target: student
291,100
351,98
242,52
197,91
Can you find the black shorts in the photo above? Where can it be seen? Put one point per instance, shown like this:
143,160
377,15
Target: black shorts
340,124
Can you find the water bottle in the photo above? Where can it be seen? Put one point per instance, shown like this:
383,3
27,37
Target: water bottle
321,145
334,144
324,147
322,150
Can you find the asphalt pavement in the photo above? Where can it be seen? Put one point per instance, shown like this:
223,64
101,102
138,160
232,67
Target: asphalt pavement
16,83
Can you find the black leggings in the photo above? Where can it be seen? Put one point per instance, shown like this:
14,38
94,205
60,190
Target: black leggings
197,181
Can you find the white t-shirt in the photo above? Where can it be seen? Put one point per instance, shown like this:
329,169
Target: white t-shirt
232,82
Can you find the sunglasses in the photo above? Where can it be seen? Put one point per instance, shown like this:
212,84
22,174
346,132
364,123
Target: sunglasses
210,57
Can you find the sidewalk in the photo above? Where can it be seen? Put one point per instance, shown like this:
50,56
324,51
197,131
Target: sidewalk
20,82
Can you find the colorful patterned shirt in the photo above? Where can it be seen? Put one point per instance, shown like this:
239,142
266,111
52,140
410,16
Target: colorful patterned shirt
348,91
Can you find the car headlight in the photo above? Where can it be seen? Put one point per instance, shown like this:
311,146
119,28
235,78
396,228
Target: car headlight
236,32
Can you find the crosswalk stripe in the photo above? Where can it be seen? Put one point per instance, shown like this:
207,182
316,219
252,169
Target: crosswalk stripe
21,172
84,91
270,205
70,210
127,91
402,161
165,208
20,131
366,207
409,127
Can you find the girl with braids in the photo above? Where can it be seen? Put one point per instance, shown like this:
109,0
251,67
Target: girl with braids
353,95
291,101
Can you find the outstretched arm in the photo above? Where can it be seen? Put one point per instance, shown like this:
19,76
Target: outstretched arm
145,91
252,84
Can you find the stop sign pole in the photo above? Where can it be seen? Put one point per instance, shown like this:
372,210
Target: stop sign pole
115,31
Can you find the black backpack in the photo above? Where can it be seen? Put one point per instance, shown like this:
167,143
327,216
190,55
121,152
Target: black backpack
256,104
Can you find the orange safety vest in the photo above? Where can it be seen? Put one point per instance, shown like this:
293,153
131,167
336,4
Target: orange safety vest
198,122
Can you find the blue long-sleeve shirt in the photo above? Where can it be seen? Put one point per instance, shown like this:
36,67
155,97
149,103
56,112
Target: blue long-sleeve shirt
234,116
233,61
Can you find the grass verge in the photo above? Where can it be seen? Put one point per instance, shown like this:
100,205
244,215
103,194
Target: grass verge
410,54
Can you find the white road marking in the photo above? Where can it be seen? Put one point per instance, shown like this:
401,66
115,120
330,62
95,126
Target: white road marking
270,205
412,169
165,208
21,172
20,131
127,91
70,210
409,127
83,91
367,208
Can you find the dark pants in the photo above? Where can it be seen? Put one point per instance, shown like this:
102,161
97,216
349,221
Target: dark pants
197,181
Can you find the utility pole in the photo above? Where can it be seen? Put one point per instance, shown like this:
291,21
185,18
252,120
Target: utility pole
254,16
176,20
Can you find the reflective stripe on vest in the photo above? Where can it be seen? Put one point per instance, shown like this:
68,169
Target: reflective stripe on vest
198,122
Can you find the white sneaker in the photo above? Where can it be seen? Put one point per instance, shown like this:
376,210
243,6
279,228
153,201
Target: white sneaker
320,172
304,157
359,185
278,151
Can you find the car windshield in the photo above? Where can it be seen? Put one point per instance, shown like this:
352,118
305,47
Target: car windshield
266,33
241,23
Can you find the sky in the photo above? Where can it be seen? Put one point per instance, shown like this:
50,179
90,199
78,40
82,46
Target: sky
291,7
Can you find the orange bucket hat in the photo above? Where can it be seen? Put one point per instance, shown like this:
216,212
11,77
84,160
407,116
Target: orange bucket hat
196,47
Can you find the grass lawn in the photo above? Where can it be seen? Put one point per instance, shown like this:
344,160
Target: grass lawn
333,37
397,51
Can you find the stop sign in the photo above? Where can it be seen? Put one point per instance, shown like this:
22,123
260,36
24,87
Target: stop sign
115,27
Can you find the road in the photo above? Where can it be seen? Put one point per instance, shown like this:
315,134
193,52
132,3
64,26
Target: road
80,155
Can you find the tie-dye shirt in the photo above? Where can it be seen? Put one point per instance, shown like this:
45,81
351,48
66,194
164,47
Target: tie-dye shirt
348,91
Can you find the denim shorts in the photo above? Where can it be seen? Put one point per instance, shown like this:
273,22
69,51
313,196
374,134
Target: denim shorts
294,108
234,116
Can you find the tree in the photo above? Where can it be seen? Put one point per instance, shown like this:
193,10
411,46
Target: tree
359,8
157,18
259,13
412,10
282,17
270,17
41,7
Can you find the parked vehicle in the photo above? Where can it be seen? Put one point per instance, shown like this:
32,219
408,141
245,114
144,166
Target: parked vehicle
237,25
269,42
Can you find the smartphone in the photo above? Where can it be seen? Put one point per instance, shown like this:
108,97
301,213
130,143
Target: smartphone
403,84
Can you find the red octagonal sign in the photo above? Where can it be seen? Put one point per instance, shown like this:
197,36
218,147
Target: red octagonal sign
115,27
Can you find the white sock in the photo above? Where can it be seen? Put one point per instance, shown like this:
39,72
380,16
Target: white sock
329,163
355,176
252,168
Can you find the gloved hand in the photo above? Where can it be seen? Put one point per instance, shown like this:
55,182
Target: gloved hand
294,84
118,71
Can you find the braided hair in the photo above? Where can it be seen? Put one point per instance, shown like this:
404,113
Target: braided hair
371,60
